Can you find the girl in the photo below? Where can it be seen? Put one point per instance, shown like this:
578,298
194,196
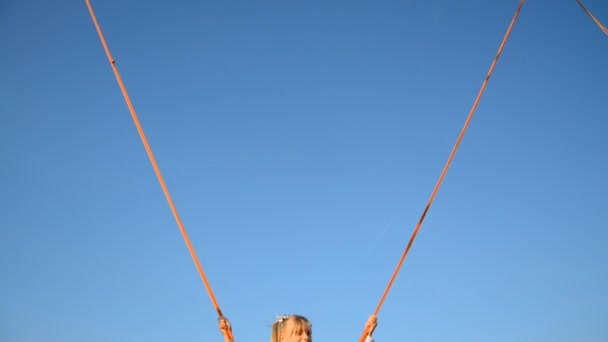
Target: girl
293,328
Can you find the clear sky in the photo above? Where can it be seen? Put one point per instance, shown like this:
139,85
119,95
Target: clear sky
301,141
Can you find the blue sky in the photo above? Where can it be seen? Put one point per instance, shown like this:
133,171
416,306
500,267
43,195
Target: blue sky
300,141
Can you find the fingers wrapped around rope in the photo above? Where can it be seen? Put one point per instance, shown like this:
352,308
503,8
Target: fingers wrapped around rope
371,324
225,328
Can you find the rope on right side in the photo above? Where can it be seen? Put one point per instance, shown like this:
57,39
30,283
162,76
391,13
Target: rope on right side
447,165
597,22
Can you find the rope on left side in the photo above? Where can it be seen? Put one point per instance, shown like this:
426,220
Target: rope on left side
156,169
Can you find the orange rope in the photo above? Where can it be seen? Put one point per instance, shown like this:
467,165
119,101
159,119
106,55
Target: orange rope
602,27
156,169
426,209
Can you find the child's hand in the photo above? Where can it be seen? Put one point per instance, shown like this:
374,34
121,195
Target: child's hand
225,329
371,324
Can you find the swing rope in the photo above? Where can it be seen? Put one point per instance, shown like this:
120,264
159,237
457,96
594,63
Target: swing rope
155,166
597,22
447,165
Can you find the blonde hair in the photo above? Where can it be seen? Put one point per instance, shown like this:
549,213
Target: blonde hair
300,325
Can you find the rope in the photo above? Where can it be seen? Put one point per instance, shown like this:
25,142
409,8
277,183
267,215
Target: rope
426,209
602,27
154,164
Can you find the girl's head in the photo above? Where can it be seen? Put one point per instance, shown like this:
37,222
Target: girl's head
292,328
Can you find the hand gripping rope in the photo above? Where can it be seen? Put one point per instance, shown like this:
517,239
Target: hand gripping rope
156,169
447,165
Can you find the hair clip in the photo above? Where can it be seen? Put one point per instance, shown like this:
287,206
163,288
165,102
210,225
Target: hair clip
281,318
